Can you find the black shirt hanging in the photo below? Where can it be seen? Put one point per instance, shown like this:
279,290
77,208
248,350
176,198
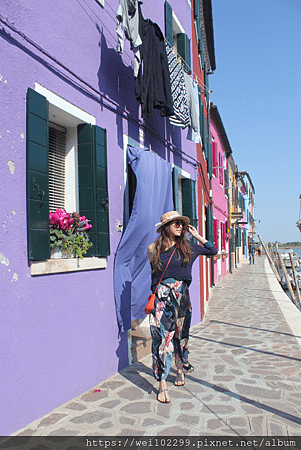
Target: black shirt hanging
152,84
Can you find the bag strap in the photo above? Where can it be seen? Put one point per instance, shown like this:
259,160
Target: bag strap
165,269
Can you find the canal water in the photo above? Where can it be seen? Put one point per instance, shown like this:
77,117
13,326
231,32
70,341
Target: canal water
297,250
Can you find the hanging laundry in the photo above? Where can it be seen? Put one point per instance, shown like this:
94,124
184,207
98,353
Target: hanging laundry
128,19
178,90
152,85
193,133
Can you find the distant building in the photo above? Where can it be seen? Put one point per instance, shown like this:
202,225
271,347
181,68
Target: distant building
250,226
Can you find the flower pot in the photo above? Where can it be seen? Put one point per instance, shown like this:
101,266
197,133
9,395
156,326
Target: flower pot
58,253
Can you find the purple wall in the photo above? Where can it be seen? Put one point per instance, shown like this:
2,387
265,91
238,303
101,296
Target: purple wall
59,333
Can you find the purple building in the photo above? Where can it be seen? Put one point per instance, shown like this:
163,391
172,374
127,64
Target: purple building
68,113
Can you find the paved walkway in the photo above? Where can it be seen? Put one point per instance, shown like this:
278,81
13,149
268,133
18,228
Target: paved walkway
247,378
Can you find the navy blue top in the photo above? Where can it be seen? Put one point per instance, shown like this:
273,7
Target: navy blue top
175,268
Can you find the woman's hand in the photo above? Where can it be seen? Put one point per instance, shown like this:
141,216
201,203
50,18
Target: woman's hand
193,231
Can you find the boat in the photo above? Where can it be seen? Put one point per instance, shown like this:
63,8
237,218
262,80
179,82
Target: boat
284,283
287,260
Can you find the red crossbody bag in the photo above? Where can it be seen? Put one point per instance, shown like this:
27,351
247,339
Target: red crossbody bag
151,298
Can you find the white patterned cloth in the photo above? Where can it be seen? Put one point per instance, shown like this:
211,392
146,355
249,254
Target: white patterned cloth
181,117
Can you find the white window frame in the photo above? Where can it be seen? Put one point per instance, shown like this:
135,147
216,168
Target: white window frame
68,115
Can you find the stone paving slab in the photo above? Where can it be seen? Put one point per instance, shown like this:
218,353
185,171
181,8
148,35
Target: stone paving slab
247,378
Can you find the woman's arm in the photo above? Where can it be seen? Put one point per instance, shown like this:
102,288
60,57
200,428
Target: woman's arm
150,251
209,248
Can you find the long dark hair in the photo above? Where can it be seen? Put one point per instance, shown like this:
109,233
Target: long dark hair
182,248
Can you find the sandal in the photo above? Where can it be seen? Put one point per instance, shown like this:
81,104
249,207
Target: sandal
180,379
165,396
188,367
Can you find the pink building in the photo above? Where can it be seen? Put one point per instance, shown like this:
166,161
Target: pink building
221,150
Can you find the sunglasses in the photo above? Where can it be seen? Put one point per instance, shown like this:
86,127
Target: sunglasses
178,223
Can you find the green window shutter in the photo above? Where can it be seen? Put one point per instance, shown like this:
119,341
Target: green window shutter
204,131
206,82
175,188
188,200
238,237
232,247
93,185
183,46
209,223
236,198
198,23
197,18
37,177
203,127
244,239
209,156
226,172
196,8
201,113
168,23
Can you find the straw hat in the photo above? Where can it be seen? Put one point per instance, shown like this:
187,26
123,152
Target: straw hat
169,217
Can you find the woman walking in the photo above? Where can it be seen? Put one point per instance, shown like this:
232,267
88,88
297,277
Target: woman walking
171,257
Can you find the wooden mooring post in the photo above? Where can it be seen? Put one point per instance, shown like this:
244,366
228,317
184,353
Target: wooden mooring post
270,259
295,281
284,271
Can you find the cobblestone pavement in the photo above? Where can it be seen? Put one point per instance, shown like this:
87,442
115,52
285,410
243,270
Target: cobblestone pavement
247,378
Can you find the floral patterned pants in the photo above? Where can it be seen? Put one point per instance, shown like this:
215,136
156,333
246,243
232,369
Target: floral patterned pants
169,325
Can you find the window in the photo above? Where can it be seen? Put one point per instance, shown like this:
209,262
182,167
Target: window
184,195
215,160
223,236
198,31
177,38
215,232
221,169
203,129
66,167
57,156
209,223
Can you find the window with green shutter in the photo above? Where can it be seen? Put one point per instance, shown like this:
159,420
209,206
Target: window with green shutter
183,47
175,188
184,195
209,155
197,20
203,125
48,162
168,23
227,181
188,200
209,224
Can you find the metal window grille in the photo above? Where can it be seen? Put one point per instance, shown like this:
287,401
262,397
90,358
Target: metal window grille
57,155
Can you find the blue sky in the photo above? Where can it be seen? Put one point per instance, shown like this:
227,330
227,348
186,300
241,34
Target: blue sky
257,89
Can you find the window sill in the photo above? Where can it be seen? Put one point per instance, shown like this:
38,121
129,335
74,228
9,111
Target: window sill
66,265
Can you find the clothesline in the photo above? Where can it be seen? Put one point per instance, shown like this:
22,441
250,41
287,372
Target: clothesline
180,57
195,76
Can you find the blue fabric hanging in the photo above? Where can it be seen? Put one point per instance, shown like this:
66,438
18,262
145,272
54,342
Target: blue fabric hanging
153,197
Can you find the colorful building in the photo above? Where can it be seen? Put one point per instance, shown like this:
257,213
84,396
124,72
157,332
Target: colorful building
221,152
250,226
204,64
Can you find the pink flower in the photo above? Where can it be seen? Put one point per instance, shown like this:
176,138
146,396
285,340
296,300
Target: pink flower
62,220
